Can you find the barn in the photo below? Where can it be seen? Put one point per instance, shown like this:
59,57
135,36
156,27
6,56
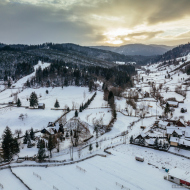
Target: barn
179,176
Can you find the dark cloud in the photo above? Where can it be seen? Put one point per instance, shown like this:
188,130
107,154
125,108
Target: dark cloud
36,24
85,21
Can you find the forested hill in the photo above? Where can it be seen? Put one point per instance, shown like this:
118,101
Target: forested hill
179,51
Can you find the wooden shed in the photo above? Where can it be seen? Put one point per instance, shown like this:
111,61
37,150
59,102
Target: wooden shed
41,106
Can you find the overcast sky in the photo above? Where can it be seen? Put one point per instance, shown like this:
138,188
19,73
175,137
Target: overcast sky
95,22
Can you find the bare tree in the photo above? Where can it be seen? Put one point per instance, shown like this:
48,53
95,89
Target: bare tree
21,116
18,132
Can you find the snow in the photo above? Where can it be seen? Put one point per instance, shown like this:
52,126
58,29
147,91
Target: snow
22,81
9,181
120,169
174,139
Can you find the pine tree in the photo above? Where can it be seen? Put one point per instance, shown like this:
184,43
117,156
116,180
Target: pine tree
90,148
9,83
25,138
29,144
131,139
33,100
56,105
97,145
156,142
76,113
167,109
32,135
41,153
9,144
18,103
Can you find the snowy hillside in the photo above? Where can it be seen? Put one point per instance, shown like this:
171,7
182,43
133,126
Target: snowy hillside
96,144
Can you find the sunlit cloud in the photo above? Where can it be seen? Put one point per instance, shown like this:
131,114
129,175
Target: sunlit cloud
95,22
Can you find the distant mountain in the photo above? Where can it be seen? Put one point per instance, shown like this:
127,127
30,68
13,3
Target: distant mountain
137,49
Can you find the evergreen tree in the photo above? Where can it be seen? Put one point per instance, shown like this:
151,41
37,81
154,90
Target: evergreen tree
167,109
41,153
28,83
111,98
76,113
25,138
32,135
90,148
29,144
9,144
39,143
9,83
156,142
18,103
131,139
56,105
97,145
33,100
15,146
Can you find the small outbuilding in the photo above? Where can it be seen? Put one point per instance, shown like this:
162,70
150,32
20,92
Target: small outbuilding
41,106
173,104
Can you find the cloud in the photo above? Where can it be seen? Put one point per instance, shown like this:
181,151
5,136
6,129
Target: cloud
86,21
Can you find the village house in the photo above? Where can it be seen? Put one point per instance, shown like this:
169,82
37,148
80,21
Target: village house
179,176
178,123
174,132
184,144
173,104
174,141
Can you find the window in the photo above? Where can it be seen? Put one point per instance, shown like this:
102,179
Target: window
171,177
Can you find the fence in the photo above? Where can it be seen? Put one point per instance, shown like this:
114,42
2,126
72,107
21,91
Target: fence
122,186
20,179
37,175
52,165
81,169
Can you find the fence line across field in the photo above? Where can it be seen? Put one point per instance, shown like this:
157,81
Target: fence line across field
81,169
37,175
122,186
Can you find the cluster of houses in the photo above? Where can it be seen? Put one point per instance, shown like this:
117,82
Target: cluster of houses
164,134
177,132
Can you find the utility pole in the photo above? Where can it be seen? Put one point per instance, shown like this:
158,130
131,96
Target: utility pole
71,152
156,109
